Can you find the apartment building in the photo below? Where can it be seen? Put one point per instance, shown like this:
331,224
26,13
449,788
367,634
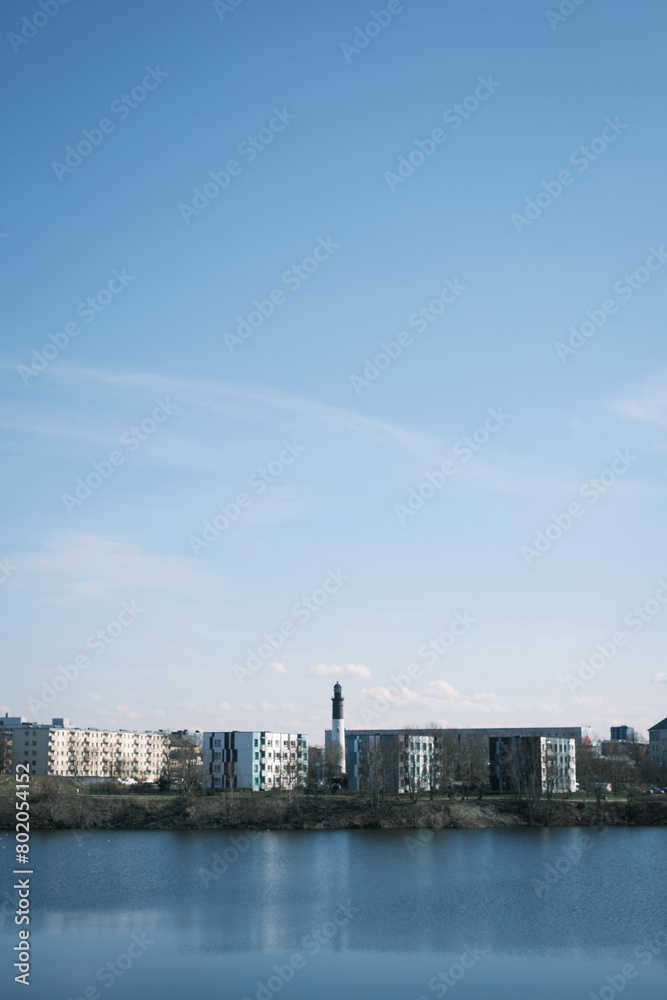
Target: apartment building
533,763
396,760
8,723
90,753
259,760
657,741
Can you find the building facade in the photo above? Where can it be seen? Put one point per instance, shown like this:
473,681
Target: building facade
657,741
90,753
620,734
8,724
537,764
258,760
423,754
397,760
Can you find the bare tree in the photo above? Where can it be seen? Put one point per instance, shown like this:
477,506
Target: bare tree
325,768
637,747
292,774
187,770
550,777
521,762
473,764
448,756
50,797
229,789
409,774
374,768
585,764
593,772
334,762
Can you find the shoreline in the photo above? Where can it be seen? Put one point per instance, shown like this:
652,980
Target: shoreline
242,812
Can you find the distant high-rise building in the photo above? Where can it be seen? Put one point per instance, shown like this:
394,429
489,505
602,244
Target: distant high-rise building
621,733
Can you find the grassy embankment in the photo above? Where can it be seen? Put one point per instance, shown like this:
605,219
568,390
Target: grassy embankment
56,804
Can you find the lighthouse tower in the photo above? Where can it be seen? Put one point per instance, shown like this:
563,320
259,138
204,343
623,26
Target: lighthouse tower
337,724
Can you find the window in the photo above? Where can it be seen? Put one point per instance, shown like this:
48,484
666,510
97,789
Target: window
217,743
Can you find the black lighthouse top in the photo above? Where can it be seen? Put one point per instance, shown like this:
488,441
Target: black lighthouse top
337,702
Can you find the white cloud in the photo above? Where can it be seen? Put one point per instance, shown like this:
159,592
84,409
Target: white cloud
647,401
347,670
249,402
279,668
436,696
441,689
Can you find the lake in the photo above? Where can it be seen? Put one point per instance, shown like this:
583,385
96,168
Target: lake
518,914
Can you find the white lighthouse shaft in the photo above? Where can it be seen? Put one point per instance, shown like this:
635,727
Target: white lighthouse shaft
338,724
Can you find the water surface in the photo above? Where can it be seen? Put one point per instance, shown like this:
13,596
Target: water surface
470,914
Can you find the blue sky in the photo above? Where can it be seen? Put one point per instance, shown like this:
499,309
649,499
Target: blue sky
533,208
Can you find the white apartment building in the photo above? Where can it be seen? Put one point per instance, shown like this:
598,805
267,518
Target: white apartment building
90,753
254,760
